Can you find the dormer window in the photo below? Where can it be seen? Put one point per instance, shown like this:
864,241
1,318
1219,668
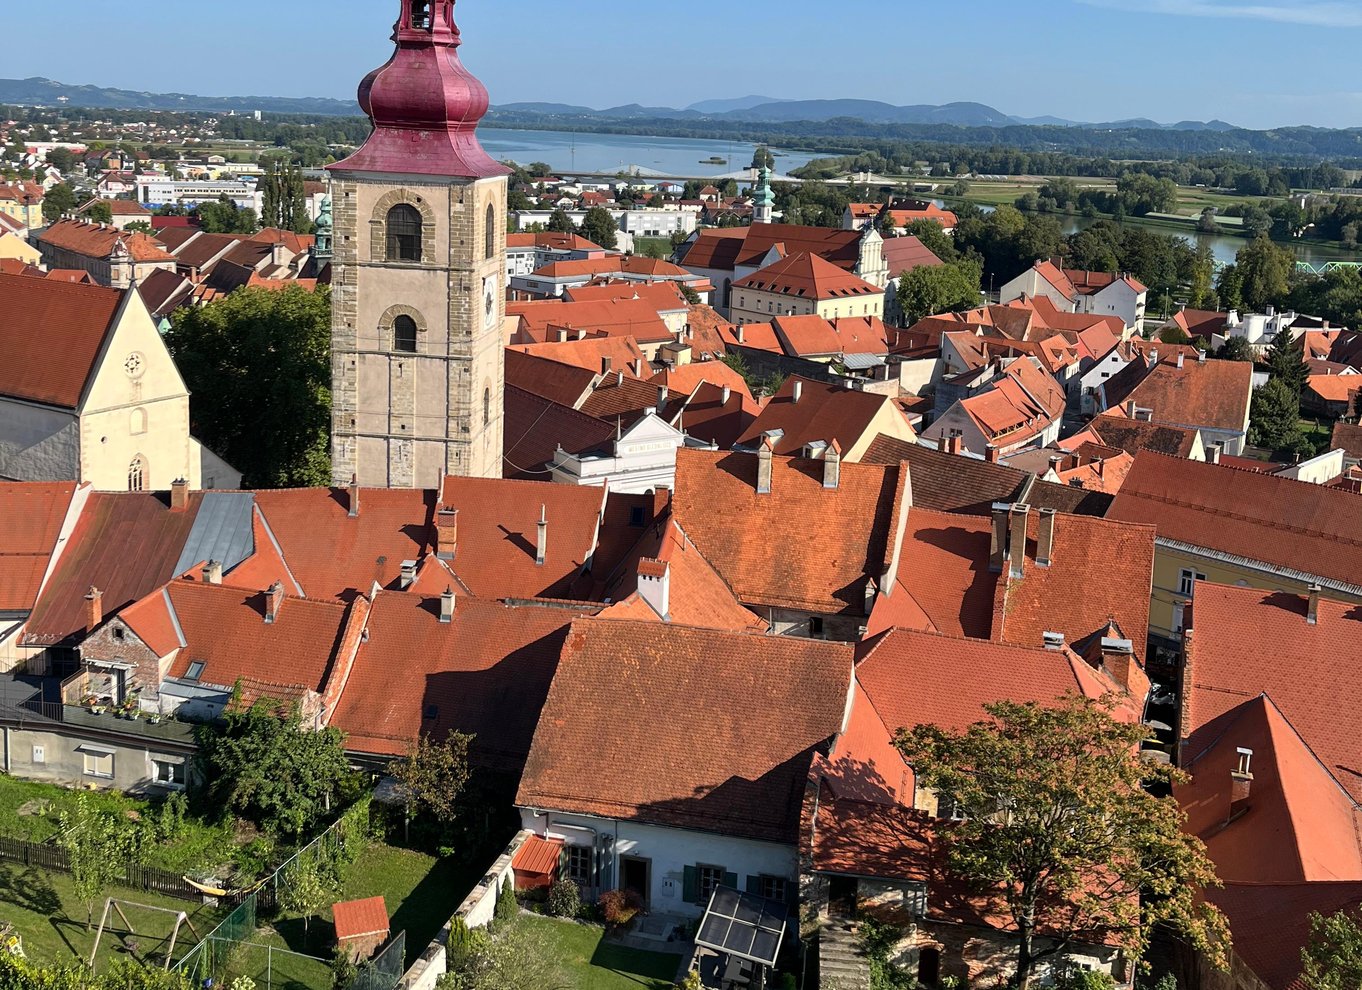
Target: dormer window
420,15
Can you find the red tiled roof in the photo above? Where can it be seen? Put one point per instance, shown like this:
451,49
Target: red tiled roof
824,412
1134,435
1270,923
617,263
1334,388
686,377
95,241
51,335
564,383
589,353
486,672
1309,530
746,779
537,427
706,416
636,318
356,919
1348,437
550,239
616,396
538,856
799,546
1207,393
663,297
807,336
808,276
31,518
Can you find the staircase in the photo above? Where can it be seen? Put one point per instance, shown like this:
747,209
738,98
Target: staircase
841,964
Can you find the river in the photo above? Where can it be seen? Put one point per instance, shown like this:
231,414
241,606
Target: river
612,152
1224,247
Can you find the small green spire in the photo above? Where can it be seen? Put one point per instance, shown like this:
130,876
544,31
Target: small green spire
324,227
762,195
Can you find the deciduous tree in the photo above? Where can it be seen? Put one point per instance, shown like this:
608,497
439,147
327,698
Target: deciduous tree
433,775
928,290
97,847
1058,821
1332,959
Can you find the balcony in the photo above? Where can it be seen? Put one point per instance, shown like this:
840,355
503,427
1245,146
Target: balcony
167,730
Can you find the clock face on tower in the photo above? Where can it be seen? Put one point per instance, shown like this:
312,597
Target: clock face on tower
489,300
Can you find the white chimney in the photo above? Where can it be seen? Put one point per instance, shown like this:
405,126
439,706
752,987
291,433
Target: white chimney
798,390
542,547
654,585
447,606
408,574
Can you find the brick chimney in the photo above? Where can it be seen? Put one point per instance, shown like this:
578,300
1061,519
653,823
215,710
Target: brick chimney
832,466
1241,785
955,442
447,606
446,532
212,572
1045,543
1017,539
354,496
1312,605
764,467
654,585
94,609
992,453
274,601
179,495
542,544
997,549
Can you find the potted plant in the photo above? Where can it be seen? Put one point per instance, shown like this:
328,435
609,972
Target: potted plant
154,718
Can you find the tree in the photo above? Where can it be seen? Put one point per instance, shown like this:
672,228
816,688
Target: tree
887,226
225,217
304,890
284,203
560,222
762,157
1207,224
99,212
62,159
267,768
521,957
59,201
1058,821
1286,361
506,909
934,238
138,227
599,227
258,365
1266,271
1235,349
97,847
1332,958
433,775
931,289
1201,281
1275,418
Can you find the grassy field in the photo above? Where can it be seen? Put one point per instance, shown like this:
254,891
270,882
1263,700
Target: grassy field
1191,200
44,910
589,963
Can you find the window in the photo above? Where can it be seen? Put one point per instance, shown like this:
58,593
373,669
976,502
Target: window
816,627
636,517
404,334
138,422
137,474
168,773
1187,579
491,234
1179,617
420,15
577,865
486,406
404,233
195,670
706,879
772,888
98,763
949,808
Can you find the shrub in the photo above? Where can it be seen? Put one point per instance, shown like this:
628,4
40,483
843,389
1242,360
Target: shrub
619,907
1074,978
506,908
565,900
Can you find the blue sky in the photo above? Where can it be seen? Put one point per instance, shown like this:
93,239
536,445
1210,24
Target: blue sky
1257,64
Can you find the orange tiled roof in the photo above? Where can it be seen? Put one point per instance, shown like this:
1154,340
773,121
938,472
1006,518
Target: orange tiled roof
96,241
51,335
355,919
31,517
1334,388
590,353
748,777
807,276
540,320
824,412
552,240
663,297
1207,393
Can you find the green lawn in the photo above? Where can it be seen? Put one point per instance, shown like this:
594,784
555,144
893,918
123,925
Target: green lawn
591,964
44,910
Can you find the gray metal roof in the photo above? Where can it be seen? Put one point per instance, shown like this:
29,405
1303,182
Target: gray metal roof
859,362
221,531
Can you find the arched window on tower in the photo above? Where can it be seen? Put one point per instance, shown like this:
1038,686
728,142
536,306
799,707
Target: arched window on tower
404,334
420,15
404,233
486,406
137,474
491,247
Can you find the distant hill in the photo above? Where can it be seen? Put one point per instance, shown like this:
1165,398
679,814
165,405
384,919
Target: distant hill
725,106
47,92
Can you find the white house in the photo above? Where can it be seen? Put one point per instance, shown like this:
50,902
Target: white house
1077,291
642,459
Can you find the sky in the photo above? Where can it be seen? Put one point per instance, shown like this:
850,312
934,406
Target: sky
1265,64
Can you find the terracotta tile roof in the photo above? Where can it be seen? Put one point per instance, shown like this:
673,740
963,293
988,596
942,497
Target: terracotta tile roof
758,336
613,264
715,248
96,241
619,397
823,412
808,276
355,919
164,291
663,297
1334,388
687,377
1207,393
1290,525
537,427
1133,435
1249,642
807,336
590,353
1270,923
486,672
334,556
564,383
51,335
799,546
1201,322
1053,274
747,779
706,416
119,207
538,856
945,571
553,240
200,250
862,335
11,225
1090,283
1348,436
540,320
31,518
126,545
498,536
706,333
1024,400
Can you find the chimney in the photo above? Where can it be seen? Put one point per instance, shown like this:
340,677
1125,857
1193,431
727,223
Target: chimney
764,467
354,496
605,364
446,532
447,606
740,333
212,572
1241,784
542,546
1200,357
661,398
1312,605
1181,355
179,495
1217,449
1130,408
1053,640
997,549
654,585
955,443
1017,539
94,609
274,600
992,453
1045,543
727,394
408,574
832,466
638,367
798,390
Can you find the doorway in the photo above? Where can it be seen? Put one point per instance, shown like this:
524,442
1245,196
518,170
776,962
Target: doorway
842,897
635,874
928,967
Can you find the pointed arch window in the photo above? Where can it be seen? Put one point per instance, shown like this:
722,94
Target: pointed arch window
404,233
137,474
420,15
491,246
404,334
486,406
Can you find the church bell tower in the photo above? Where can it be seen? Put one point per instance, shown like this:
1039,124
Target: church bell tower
418,271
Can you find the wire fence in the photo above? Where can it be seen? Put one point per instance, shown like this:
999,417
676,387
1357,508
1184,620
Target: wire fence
208,959
135,876
268,966
343,838
385,970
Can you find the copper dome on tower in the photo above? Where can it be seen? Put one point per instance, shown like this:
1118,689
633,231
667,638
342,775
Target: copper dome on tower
424,105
